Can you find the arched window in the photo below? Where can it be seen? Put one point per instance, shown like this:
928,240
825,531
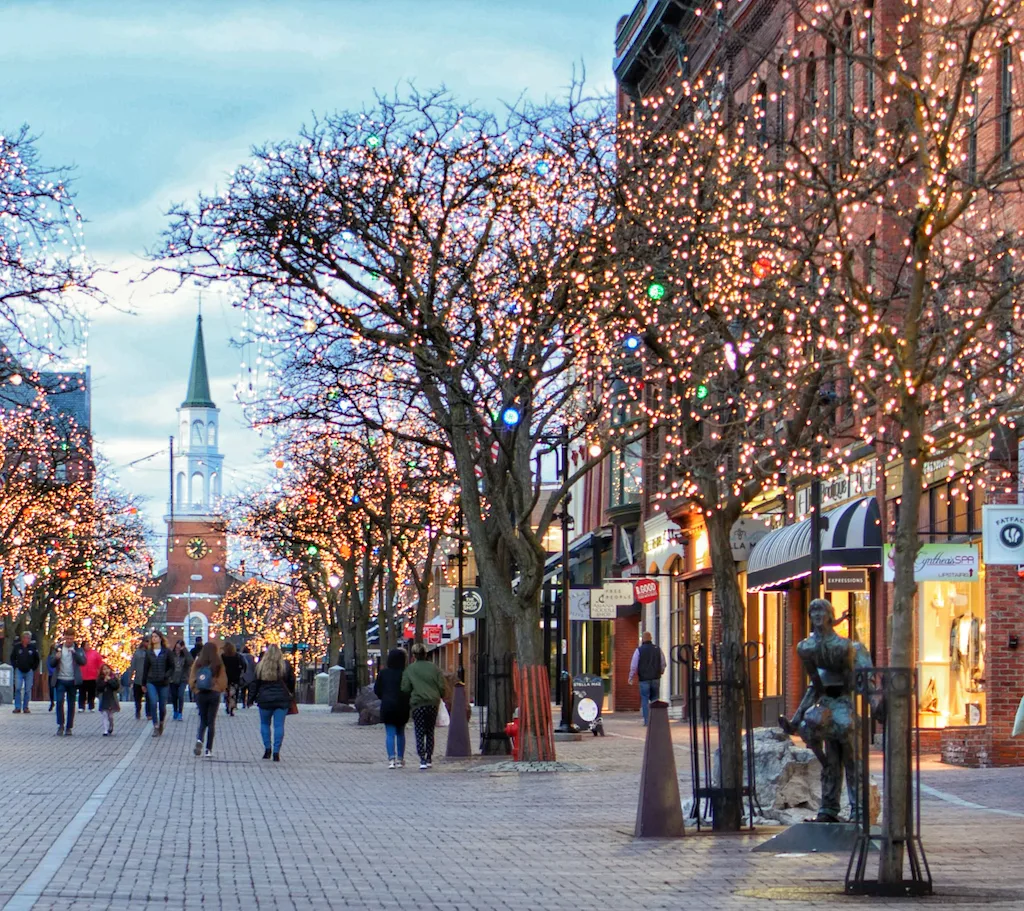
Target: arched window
197,495
198,433
215,484
179,493
211,434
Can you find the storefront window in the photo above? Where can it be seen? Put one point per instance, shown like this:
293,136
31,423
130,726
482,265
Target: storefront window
770,678
951,657
625,476
853,613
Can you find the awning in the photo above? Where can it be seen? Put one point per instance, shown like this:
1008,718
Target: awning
853,538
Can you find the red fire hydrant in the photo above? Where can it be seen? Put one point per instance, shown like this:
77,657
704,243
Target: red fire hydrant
512,732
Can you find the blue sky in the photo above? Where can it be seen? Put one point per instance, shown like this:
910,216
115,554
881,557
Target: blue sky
153,102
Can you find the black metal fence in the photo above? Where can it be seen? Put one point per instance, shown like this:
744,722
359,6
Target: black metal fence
494,700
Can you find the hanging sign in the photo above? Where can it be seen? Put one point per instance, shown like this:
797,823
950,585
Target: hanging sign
1003,534
432,634
845,580
579,604
611,595
472,602
744,535
409,631
645,590
937,563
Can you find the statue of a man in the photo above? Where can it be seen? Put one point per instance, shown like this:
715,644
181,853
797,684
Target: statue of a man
826,718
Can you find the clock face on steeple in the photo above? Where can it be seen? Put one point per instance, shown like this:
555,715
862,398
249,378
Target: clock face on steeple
197,548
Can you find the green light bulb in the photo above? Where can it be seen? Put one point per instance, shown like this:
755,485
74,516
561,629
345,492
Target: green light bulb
702,391
655,291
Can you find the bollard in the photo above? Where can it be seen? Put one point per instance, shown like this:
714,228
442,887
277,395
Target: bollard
458,731
659,813
321,693
6,684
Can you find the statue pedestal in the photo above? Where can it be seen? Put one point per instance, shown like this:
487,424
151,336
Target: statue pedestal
812,838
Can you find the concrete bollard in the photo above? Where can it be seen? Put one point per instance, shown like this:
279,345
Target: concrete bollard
659,813
322,695
6,684
335,675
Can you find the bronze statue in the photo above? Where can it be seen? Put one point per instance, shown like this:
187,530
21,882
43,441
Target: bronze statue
826,718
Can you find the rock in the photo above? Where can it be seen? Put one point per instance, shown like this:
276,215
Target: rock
343,707
368,706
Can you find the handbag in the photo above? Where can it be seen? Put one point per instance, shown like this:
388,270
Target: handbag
293,706
443,718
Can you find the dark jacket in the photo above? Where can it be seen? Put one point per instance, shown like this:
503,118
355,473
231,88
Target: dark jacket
394,704
25,657
109,694
77,661
233,667
651,665
181,665
275,694
158,668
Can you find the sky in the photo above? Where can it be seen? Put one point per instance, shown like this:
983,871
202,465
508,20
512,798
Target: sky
153,103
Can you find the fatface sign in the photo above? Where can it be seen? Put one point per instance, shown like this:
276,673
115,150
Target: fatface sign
937,563
1003,540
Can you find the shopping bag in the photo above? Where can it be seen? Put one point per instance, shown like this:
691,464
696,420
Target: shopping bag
1018,722
443,718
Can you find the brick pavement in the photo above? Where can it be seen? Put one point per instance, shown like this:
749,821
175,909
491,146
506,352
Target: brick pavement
331,827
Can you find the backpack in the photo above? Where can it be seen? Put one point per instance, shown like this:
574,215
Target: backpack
204,679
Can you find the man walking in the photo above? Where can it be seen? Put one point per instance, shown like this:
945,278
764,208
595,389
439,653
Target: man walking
67,661
25,659
648,664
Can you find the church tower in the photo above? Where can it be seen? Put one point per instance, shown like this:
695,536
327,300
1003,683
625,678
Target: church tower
196,578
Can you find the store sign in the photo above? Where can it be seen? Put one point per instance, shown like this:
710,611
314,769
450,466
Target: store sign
1003,529
579,604
859,481
661,539
645,591
472,602
744,535
605,600
409,631
432,634
937,563
845,580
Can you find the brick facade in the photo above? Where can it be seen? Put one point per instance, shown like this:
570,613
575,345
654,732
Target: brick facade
626,633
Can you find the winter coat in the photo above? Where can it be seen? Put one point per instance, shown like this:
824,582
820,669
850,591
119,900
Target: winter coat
77,660
182,664
394,704
249,674
424,683
233,667
220,680
275,694
93,663
138,666
158,668
25,658
109,693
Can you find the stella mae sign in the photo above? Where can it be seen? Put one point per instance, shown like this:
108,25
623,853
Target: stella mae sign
744,535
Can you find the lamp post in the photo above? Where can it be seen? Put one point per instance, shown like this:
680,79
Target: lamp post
458,599
566,726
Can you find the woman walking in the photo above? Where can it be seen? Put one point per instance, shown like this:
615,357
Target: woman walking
182,664
424,683
233,667
394,706
138,670
273,693
108,691
207,681
156,675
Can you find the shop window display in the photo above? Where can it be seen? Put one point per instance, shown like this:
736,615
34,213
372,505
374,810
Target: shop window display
951,666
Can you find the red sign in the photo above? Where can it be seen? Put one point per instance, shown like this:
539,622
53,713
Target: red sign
432,635
646,590
409,631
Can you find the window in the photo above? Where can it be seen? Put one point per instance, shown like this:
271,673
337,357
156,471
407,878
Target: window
972,139
197,495
811,90
198,433
211,437
625,476
761,112
850,48
869,75
869,264
180,491
1006,102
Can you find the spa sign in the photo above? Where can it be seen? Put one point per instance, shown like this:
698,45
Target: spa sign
938,563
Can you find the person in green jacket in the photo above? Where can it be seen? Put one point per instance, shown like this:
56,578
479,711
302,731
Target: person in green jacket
424,683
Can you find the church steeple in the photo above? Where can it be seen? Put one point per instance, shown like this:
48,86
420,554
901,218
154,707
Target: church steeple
198,395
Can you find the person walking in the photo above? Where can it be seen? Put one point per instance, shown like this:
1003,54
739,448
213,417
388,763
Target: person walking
273,691
208,681
197,648
90,671
424,683
648,665
157,677
25,661
233,667
182,664
248,676
394,706
138,670
67,661
108,692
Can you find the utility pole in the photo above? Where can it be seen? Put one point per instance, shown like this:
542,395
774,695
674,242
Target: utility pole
459,592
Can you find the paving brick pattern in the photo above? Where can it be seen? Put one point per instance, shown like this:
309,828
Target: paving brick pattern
331,827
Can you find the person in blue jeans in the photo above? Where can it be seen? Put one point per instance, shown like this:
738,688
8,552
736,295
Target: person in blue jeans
274,689
25,660
648,665
67,661
156,675
394,707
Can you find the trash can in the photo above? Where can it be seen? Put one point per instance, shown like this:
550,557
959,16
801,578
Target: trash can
588,698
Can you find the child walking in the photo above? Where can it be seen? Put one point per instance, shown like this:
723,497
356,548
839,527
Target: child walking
108,689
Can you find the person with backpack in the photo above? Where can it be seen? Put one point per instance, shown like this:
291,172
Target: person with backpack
182,662
208,681
648,665
25,659
394,707
273,692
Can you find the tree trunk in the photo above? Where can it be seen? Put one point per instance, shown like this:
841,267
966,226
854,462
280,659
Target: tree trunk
899,723
731,616
334,647
536,729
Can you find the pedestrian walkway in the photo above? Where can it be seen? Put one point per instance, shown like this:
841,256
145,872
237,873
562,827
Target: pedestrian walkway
132,822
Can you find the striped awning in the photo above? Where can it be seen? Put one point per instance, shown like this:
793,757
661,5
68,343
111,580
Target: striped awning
853,538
